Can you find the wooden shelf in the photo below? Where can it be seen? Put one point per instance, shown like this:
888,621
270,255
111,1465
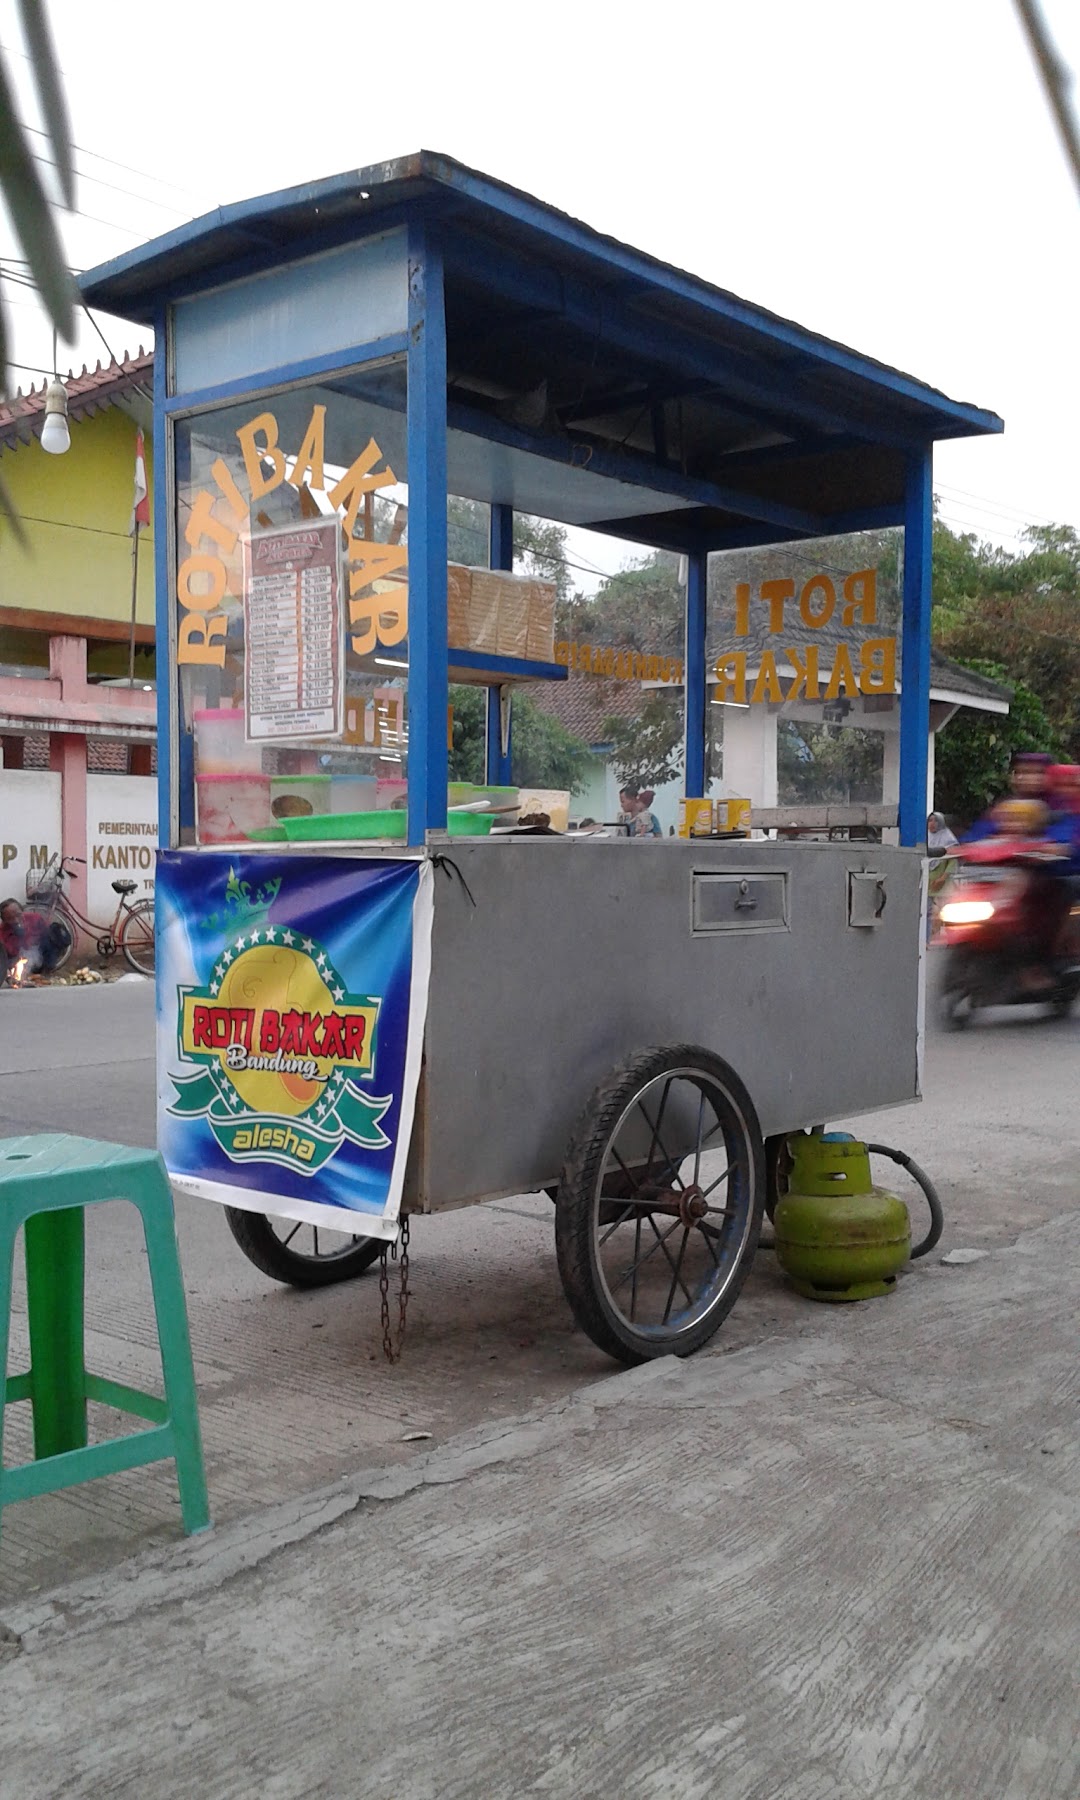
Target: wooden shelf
479,669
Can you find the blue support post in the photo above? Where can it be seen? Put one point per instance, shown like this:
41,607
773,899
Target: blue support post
697,581
915,654
502,537
166,673
501,556
428,682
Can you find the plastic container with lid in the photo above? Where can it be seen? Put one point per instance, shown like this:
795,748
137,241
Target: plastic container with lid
230,807
353,793
391,791
299,796
220,746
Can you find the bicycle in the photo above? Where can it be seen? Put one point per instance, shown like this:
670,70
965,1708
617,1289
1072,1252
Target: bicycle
132,928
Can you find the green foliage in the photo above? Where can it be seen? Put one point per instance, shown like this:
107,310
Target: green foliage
468,733
638,608
827,765
648,750
545,754
540,550
1019,612
974,751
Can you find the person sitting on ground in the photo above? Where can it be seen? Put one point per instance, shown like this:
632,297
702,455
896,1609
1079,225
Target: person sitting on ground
31,938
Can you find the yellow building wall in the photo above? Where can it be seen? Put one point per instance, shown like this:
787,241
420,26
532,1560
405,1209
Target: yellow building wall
75,511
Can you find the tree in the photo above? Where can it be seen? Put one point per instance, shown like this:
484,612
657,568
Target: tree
973,753
648,750
545,754
468,707
827,765
641,607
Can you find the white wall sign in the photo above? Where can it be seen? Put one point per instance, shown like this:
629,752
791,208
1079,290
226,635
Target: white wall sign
29,826
121,839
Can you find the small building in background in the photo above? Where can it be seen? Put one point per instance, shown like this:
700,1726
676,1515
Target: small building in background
77,668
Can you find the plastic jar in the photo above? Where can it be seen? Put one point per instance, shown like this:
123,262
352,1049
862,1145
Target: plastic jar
391,790
220,746
353,793
299,796
231,806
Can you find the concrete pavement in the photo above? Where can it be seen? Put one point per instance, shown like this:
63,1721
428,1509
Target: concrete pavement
293,1388
825,1567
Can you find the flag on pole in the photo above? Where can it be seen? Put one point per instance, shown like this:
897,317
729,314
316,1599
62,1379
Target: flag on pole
140,511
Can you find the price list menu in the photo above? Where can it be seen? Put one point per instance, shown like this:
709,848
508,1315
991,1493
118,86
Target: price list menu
293,632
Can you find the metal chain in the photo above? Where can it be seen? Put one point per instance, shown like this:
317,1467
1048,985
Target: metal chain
392,1351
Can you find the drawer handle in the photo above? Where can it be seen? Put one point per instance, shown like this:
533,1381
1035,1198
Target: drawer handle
746,901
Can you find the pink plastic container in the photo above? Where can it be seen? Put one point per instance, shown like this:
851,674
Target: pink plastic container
231,806
390,790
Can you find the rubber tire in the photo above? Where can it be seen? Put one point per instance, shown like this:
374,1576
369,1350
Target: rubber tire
65,955
954,1004
260,1245
574,1235
144,909
775,1173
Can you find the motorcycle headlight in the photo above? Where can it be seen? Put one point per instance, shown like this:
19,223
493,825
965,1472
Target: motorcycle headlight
966,912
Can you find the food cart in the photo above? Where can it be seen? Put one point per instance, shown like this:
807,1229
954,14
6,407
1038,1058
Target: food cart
365,1014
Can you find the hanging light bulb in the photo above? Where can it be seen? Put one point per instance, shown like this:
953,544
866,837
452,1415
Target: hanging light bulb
55,436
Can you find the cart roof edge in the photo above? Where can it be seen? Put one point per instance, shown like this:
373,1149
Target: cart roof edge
271,228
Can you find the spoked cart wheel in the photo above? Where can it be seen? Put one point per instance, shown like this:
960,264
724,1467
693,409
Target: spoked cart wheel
301,1255
659,1204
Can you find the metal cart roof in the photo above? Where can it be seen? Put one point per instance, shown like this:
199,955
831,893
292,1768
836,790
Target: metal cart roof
737,426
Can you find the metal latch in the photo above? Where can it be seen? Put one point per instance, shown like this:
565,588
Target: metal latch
867,898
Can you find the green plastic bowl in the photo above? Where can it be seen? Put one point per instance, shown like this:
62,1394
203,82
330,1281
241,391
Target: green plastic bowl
330,827
474,824
390,823
267,834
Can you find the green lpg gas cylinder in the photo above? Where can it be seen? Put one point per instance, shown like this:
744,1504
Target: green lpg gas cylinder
838,1237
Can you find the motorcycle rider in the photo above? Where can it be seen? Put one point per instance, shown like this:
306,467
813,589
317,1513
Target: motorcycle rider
1025,816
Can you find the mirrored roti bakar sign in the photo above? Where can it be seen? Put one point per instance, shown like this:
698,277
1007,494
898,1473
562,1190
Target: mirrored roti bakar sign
293,632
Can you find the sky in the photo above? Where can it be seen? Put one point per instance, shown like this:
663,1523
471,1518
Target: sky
887,174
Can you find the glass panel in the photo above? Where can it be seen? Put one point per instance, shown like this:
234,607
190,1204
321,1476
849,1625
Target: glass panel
803,653
612,734
292,607
334,302
468,545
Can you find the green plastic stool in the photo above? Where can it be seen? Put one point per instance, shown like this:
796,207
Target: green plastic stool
45,1183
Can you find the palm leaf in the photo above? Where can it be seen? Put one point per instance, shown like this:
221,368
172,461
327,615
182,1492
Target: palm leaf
50,93
31,215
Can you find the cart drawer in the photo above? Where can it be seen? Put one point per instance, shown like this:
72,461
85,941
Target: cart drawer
732,902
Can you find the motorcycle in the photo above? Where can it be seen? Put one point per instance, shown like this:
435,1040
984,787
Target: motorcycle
1001,921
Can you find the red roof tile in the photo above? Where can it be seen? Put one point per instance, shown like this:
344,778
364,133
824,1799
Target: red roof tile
88,393
583,703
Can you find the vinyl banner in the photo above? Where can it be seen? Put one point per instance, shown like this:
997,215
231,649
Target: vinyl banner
291,996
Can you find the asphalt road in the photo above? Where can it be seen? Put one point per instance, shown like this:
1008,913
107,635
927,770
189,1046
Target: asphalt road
293,1387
